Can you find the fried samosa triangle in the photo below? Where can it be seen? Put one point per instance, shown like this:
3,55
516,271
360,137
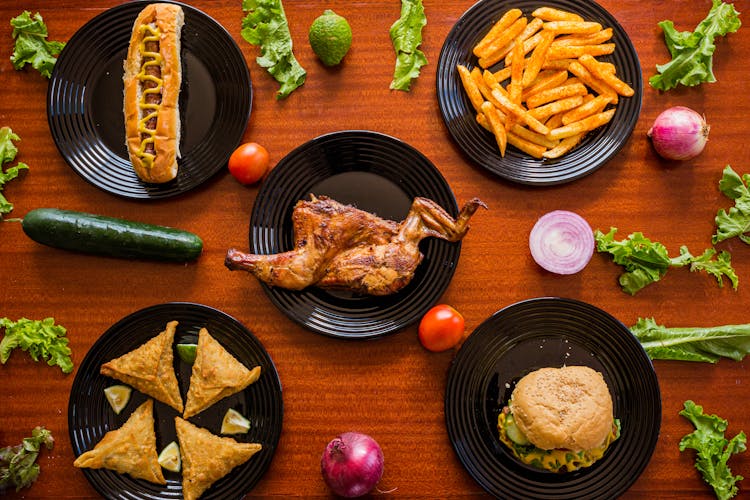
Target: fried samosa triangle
150,369
206,457
131,449
216,374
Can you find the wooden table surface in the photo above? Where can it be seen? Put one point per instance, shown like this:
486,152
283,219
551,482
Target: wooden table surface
390,388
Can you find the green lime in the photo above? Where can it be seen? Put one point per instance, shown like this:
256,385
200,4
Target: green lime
187,352
330,37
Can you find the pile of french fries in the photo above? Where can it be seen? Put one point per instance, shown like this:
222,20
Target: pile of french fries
553,97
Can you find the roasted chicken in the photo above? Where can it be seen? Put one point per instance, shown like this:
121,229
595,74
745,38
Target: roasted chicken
342,247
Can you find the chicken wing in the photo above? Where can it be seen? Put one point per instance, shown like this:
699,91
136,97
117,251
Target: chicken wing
343,247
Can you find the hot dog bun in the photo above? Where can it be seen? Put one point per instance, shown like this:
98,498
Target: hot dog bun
152,80
568,407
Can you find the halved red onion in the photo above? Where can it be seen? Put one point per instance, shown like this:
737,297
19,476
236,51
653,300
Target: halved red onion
562,242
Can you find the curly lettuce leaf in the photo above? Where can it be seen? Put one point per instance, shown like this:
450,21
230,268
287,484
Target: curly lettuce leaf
736,221
718,268
692,52
40,338
647,261
266,25
702,344
406,36
8,152
713,449
31,45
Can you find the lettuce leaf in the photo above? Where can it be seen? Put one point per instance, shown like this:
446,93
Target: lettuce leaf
647,261
18,467
713,449
718,268
8,152
31,45
40,338
692,52
703,344
736,221
265,24
406,36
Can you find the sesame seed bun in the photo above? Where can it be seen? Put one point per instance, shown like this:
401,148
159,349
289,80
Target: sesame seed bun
568,408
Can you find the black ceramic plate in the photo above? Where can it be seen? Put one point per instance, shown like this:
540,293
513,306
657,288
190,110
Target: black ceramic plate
376,173
84,102
90,416
550,332
597,147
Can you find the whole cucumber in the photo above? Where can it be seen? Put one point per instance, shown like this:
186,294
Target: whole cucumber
102,235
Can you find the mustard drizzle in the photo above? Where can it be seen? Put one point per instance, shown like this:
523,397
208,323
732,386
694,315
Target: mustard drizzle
148,111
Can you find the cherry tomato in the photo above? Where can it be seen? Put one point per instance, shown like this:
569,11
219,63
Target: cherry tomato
249,163
441,328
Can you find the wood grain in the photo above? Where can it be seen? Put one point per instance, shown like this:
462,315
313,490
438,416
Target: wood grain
390,388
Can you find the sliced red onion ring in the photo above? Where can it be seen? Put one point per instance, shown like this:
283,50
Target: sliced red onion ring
562,242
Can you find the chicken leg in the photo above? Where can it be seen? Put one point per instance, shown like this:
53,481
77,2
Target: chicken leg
340,246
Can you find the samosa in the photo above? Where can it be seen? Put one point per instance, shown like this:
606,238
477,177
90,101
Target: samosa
150,369
131,449
206,457
216,374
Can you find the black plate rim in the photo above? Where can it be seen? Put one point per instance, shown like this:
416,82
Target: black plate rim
505,475
133,187
527,170
319,315
162,310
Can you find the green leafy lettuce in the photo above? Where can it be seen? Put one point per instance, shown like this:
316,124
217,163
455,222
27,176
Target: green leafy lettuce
406,36
735,222
18,467
692,52
40,338
647,261
31,45
265,25
713,449
8,152
704,344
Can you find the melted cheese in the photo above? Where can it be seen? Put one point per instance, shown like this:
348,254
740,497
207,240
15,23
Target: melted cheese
557,460
148,111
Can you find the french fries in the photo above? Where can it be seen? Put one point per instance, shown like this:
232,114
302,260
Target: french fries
551,89
499,46
555,94
600,71
585,125
482,48
552,14
471,88
496,124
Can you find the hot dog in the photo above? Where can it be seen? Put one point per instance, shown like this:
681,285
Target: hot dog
152,79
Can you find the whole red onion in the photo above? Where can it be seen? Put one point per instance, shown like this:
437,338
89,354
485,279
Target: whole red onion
352,464
679,133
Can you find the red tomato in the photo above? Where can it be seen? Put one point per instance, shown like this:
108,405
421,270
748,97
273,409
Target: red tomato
249,163
441,328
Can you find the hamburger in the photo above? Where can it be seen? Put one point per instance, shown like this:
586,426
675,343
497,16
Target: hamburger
559,419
